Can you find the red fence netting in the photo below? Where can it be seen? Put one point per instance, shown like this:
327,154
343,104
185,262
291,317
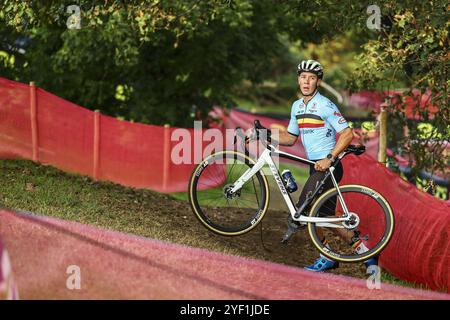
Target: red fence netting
79,140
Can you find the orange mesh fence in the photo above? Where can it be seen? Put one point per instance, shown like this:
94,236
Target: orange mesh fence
65,133
15,123
37,125
419,250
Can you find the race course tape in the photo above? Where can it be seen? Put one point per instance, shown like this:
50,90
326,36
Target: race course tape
58,259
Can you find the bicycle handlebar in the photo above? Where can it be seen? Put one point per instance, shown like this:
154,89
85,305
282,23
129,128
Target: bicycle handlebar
265,138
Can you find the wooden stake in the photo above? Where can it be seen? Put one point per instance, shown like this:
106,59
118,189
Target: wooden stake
383,136
34,122
166,157
96,144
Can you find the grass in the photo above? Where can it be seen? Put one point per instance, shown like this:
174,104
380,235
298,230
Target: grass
386,277
48,191
45,190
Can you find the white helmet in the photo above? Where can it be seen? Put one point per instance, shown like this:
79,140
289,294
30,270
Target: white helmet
310,66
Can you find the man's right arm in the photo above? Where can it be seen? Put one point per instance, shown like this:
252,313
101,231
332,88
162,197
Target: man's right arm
288,136
284,137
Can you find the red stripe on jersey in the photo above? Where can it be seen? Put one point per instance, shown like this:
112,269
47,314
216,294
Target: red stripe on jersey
311,125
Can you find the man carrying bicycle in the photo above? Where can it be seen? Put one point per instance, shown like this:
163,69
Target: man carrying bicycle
316,119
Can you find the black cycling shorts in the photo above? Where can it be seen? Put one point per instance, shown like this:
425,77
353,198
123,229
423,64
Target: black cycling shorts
329,207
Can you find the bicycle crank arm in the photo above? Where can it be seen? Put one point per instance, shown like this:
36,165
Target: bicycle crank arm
321,220
329,225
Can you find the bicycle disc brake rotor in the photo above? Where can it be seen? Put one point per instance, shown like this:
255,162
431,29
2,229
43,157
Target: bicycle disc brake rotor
352,222
228,194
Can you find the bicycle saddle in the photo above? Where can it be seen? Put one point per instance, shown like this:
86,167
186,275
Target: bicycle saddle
356,149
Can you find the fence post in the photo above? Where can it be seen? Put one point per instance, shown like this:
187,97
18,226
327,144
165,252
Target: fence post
166,157
34,122
96,144
383,136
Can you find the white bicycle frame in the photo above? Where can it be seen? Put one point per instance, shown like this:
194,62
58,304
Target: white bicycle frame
266,158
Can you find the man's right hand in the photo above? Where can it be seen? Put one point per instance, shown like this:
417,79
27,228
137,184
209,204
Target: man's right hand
250,133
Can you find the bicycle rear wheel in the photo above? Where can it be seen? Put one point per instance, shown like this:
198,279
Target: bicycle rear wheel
373,224
211,201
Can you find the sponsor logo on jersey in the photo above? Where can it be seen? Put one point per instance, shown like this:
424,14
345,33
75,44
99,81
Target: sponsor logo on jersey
337,114
342,120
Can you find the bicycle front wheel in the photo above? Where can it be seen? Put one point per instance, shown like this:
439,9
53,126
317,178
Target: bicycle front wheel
365,236
215,207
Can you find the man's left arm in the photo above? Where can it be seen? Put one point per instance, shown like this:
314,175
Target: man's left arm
345,138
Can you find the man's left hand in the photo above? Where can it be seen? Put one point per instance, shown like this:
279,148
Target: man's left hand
322,165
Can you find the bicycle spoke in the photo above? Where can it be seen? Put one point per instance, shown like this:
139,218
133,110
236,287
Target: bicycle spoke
372,224
228,214
256,193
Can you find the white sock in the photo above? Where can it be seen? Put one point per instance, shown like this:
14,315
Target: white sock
322,256
360,247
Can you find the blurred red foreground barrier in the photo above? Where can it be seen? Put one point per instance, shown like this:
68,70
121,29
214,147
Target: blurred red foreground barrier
8,288
37,125
115,265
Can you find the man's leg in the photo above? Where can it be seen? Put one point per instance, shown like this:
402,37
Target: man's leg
308,188
329,208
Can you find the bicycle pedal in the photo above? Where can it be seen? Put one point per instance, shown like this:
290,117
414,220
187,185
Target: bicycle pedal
286,238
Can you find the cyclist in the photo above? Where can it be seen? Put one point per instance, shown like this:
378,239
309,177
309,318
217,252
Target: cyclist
316,119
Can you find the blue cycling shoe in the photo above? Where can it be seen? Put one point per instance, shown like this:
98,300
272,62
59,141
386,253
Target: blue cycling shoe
322,264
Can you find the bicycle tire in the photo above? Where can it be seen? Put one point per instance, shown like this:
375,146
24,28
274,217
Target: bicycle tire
199,209
367,192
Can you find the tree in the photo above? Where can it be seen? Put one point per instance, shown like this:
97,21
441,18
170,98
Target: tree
155,61
164,56
414,47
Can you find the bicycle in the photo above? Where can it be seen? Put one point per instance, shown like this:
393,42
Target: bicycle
231,202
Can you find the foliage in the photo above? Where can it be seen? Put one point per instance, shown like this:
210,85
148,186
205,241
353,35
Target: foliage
413,46
164,55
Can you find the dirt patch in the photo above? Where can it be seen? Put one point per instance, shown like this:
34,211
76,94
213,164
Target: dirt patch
263,242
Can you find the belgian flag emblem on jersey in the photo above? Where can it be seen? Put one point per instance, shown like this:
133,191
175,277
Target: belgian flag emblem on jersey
310,121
